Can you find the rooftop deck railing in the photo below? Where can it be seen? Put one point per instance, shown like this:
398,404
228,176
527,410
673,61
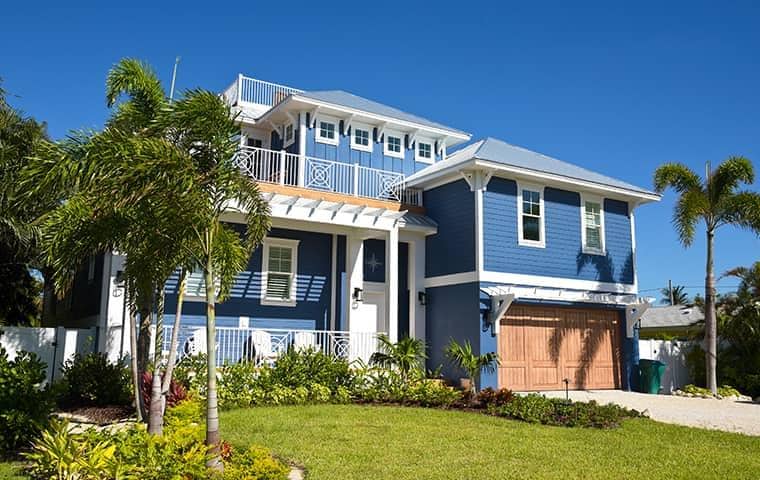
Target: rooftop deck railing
250,90
281,167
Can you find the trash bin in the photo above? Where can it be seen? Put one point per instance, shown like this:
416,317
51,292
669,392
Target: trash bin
651,375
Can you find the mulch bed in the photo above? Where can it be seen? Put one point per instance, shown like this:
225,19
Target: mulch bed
99,415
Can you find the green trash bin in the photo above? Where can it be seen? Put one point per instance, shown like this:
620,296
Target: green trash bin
651,372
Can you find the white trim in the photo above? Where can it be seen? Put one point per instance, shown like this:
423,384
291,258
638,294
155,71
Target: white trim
528,280
479,242
333,280
370,140
631,208
381,118
541,243
293,246
390,153
424,140
602,239
319,119
391,272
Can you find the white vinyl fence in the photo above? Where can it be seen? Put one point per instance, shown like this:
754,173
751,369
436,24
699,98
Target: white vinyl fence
53,345
673,354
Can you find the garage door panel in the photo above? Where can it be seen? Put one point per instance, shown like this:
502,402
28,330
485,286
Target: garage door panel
540,347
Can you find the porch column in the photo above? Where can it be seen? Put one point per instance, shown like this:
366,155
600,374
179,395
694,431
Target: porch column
391,261
416,285
355,273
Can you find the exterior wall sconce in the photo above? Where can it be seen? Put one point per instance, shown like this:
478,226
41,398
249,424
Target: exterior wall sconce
358,294
422,297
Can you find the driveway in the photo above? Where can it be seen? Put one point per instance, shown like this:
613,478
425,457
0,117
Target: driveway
727,415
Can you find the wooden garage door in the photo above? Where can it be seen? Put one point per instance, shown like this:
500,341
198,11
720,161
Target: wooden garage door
539,347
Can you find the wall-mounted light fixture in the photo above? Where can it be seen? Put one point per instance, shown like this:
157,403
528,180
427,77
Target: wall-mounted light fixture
358,294
422,297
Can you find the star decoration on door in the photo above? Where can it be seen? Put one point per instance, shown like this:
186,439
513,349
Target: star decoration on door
373,263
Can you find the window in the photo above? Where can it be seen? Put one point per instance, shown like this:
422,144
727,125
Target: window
530,223
279,272
289,135
254,142
393,145
424,152
195,286
91,269
327,131
361,137
592,225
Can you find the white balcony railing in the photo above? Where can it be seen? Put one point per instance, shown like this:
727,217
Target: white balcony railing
263,346
258,92
291,169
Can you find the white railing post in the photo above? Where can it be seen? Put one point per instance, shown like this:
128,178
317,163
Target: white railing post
282,167
301,170
356,180
239,88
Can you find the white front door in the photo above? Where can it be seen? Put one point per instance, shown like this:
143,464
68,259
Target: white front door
369,320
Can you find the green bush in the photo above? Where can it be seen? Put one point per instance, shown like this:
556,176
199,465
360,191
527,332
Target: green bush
190,372
25,405
301,367
93,380
380,385
256,463
535,408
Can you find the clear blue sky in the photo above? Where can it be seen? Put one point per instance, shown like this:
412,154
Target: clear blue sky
618,89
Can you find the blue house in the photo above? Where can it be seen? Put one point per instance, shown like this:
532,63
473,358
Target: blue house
386,222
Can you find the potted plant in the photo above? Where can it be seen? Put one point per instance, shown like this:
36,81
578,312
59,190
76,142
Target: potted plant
465,359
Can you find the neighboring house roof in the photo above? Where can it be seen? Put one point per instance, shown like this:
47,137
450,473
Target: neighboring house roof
675,316
500,153
349,100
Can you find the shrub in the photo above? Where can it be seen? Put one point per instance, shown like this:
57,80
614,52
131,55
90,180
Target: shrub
488,398
380,385
176,393
93,380
723,391
535,408
25,405
256,463
190,372
300,367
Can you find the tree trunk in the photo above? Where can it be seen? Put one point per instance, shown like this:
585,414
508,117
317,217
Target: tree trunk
711,328
156,410
173,345
133,360
143,340
212,409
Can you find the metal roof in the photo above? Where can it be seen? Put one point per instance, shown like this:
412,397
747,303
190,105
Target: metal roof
674,316
417,220
349,100
500,152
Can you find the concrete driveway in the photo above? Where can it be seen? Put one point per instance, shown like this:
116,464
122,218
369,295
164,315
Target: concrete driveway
727,415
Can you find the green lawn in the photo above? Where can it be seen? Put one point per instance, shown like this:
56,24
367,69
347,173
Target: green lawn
361,442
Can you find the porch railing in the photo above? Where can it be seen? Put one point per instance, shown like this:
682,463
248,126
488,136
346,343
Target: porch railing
263,346
271,166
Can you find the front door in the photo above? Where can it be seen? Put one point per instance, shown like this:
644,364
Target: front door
368,321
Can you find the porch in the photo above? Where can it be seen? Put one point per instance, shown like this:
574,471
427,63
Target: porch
264,345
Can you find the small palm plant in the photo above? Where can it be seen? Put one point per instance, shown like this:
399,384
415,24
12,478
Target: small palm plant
464,358
407,355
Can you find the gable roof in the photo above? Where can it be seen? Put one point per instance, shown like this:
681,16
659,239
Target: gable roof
501,153
671,316
349,100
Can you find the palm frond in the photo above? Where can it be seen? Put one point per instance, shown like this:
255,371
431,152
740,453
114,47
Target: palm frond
741,209
729,175
678,176
690,207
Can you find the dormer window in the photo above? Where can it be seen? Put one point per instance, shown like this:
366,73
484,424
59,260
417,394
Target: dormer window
327,131
394,145
592,225
289,134
361,138
424,151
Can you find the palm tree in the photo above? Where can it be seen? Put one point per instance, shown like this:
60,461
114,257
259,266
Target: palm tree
749,279
716,201
679,295
463,357
407,355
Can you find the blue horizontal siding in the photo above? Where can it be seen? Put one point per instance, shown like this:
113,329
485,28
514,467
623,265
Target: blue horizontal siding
562,256
452,249
312,287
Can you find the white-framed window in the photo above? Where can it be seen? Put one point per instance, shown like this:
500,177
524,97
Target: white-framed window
592,225
361,137
279,269
393,144
290,135
327,130
531,216
423,151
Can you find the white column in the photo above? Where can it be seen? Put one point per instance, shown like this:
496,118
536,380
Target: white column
355,272
391,282
301,149
416,284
